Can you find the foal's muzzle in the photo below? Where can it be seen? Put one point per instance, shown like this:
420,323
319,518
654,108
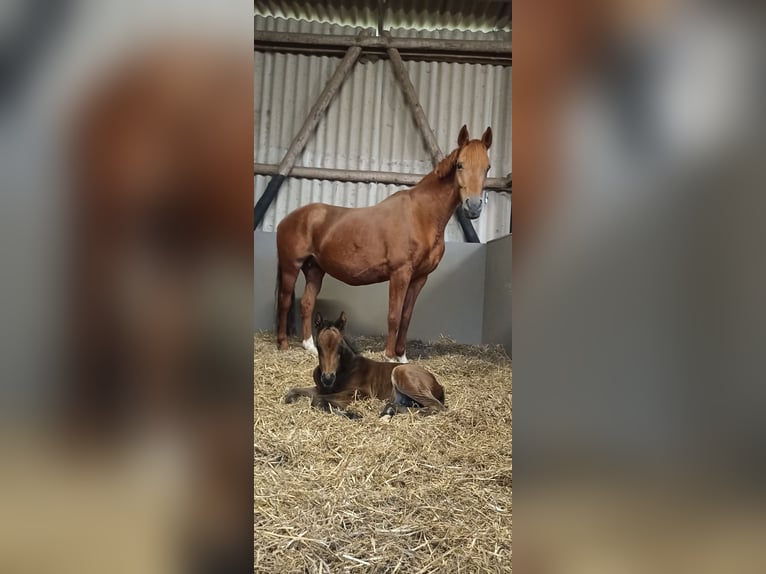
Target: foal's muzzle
472,207
327,379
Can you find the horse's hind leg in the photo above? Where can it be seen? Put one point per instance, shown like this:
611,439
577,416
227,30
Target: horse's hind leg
314,275
286,286
400,404
391,408
417,388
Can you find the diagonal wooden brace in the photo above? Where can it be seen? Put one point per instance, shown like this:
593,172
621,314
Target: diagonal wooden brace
425,130
299,142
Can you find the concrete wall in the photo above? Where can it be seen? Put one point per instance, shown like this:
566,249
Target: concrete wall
496,326
453,302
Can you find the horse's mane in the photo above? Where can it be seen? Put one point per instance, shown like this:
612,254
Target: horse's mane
447,165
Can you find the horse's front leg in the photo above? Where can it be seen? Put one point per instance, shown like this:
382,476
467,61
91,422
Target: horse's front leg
397,290
314,275
295,393
334,403
409,305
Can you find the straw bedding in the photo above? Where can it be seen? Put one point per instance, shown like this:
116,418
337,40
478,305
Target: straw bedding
415,494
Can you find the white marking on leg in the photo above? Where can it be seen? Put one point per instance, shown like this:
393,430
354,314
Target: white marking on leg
402,359
308,344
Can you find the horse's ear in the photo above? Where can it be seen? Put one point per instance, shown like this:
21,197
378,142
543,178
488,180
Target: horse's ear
445,166
463,137
486,138
318,320
341,322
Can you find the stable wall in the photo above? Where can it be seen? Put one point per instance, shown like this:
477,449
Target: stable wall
453,303
496,327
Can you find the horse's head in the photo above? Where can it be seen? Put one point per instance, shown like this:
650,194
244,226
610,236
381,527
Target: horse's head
329,345
469,164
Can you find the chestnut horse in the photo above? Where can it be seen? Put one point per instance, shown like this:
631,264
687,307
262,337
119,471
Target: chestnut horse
400,240
343,375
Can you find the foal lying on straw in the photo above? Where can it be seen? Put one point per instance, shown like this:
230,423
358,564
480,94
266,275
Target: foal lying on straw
343,375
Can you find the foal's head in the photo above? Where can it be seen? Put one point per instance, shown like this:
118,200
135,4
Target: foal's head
469,164
330,345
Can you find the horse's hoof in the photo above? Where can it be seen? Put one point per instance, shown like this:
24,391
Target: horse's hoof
390,359
386,418
402,359
308,344
283,346
352,415
289,398
388,411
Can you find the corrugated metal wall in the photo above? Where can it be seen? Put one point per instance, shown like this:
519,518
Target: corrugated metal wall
485,15
368,125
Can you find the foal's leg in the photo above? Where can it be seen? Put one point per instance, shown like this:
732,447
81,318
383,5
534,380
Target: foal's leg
295,393
409,304
415,387
327,403
396,292
335,403
314,275
287,285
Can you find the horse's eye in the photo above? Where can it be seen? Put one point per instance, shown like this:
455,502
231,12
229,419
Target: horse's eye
460,165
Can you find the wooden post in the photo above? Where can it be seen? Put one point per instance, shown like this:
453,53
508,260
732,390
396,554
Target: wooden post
299,142
381,16
400,71
425,130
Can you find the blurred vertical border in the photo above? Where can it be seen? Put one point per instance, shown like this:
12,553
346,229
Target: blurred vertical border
126,152
638,314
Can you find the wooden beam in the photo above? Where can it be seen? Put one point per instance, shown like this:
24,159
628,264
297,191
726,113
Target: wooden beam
498,52
381,16
317,111
400,71
412,101
362,176
384,42
308,127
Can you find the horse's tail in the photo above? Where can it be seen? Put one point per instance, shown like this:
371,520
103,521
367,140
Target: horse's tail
290,312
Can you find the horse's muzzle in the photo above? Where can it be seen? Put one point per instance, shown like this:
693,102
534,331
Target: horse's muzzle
327,379
472,207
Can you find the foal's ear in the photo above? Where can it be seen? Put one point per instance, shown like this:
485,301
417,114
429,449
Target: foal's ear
486,138
463,137
317,320
340,324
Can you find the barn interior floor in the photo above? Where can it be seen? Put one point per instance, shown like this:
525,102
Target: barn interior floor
415,494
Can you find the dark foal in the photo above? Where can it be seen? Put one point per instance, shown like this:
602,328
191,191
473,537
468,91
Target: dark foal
343,376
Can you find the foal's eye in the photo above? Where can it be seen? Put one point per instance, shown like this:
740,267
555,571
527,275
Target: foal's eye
460,165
